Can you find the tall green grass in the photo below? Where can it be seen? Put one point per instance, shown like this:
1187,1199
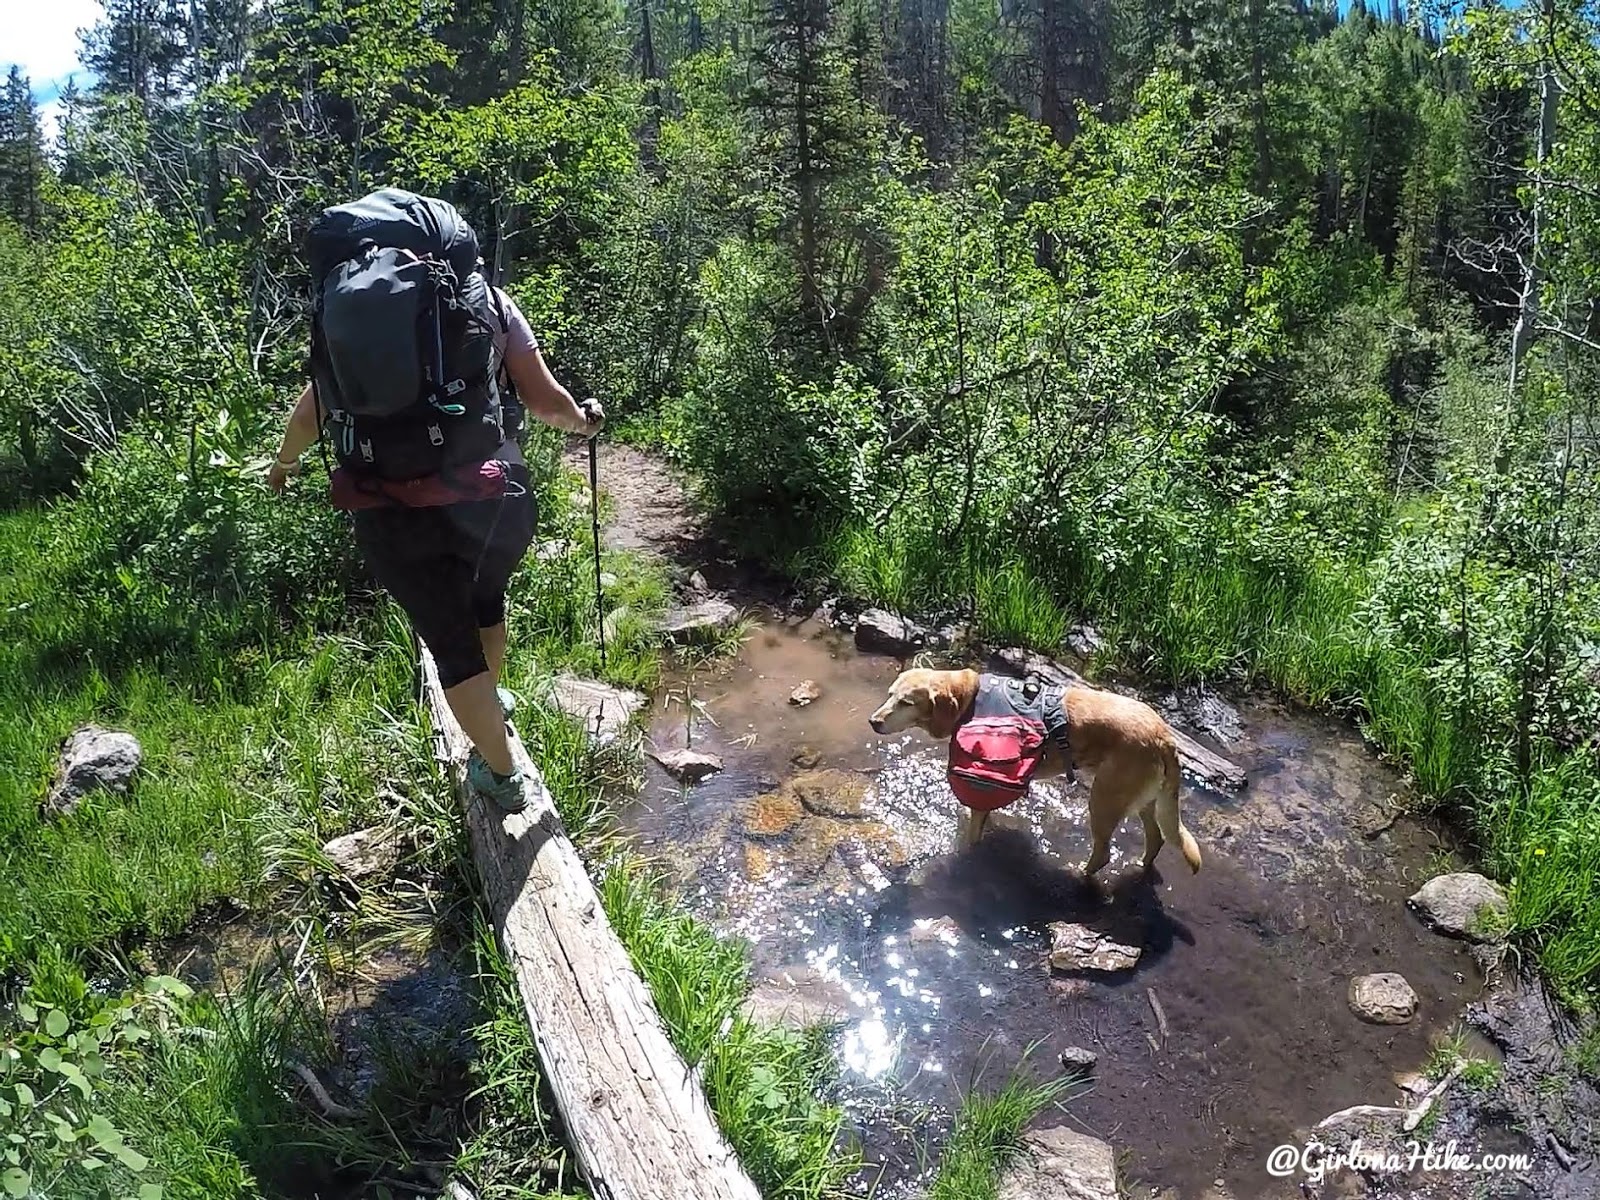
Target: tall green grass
295,726
988,1131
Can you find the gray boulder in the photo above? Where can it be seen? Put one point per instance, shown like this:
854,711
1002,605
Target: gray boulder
94,759
1085,641
365,853
880,632
687,766
603,711
1062,1164
1462,905
1077,948
700,621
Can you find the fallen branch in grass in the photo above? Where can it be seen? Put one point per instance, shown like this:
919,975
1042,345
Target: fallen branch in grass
1161,1017
1359,1110
1411,1117
1563,1156
330,1107
1209,767
1414,1118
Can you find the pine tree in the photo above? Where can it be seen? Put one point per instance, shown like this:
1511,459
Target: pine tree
22,161
138,49
803,89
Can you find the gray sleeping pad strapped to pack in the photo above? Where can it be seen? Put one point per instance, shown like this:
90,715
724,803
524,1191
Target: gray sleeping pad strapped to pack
402,346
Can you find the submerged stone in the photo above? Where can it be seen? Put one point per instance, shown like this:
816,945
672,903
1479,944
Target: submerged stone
1384,998
830,793
1078,948
772,814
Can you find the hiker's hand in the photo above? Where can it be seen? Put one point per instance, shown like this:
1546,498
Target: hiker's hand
278,475
594,416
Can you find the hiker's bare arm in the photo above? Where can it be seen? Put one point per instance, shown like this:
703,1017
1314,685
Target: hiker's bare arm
545,398
298,436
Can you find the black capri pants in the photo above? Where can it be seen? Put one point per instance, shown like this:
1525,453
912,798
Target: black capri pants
448,567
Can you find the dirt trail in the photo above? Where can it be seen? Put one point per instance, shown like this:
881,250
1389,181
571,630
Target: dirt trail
649,504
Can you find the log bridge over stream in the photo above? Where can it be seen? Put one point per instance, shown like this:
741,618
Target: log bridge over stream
635,1115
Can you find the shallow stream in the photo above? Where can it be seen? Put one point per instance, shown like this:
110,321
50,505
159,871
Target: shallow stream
833,851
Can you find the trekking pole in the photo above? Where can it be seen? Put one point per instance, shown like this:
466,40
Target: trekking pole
594,513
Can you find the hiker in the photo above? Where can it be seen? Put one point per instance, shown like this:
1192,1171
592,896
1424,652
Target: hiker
431,472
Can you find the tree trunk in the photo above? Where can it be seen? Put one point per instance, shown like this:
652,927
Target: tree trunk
1532,268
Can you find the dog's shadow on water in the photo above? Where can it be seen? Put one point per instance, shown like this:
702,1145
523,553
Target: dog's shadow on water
1006,884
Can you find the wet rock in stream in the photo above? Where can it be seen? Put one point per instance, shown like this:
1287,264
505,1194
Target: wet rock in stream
831,793
800,999
1384,998
1062,1164
800,826
687,766
771,814
806,692
1461,905
1077,948
880,632
1078,1060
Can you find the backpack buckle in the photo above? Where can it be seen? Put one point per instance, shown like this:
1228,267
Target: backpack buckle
366,451
436,435
455,387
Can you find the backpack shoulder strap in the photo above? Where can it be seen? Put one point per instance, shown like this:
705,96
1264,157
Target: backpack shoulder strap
497,299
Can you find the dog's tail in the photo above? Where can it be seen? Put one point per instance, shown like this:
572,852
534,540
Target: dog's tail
1167,818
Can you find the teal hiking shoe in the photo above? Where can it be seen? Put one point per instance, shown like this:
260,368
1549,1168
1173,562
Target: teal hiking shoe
504,791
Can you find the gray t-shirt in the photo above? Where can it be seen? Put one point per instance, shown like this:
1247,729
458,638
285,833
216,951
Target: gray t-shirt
514,342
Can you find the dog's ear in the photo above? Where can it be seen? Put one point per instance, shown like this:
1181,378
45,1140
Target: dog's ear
946,712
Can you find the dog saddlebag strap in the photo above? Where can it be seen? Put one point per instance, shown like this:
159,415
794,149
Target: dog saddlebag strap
1053,709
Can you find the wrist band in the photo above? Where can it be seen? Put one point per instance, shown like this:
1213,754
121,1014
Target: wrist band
295,462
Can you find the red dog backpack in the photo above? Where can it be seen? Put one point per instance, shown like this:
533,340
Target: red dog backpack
995,752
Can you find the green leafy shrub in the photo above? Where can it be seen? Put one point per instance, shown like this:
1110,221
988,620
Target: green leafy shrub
53,1073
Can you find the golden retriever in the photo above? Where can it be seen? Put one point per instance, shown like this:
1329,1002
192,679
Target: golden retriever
1123,741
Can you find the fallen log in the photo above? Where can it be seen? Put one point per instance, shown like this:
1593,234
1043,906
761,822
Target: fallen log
1206,766
634,1113
1425,1105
